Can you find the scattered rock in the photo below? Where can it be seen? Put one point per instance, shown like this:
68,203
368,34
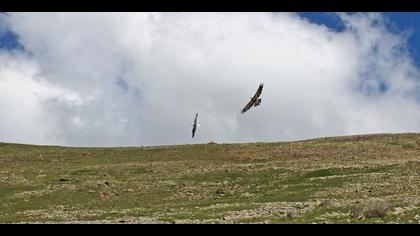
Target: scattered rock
220,191
398,210
326,203
375,212
412,201
356,212
103,195
63,180
248,195
403,210
370,209
291,214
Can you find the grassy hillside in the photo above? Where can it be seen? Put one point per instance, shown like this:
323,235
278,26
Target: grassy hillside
357,179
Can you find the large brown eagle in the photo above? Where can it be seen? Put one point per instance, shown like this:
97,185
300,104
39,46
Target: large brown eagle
195,125
255,100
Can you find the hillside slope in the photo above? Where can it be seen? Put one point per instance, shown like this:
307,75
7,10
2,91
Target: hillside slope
355,179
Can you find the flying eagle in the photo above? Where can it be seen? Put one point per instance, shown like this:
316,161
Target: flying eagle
195,124
255,100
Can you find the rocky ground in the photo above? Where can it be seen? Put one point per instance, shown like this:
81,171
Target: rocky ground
355,179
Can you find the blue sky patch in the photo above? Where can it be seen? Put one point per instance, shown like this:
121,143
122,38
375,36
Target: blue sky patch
9,41
399,22
329,19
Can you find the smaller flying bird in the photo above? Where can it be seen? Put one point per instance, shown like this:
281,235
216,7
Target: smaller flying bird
255,100
195,124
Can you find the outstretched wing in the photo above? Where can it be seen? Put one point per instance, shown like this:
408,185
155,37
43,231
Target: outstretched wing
253,99
193,130
248,106
259,91
195,124
195,119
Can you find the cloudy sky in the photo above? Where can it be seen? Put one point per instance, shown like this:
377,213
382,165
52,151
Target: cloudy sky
134,79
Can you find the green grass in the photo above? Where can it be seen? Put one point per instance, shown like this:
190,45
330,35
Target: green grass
223,183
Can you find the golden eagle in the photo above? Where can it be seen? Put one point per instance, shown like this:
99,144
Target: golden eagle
195,124
255,100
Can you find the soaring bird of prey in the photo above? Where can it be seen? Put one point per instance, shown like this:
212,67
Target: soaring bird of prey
195,125
255,100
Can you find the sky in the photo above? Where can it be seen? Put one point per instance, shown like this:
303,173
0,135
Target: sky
137,79
398,22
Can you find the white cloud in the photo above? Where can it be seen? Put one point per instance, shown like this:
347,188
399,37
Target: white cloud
22,93
138,78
